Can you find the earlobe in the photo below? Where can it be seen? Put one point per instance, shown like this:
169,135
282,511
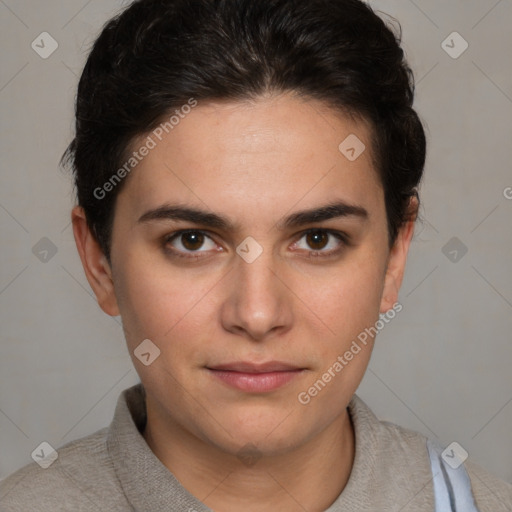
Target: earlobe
95,264
397,260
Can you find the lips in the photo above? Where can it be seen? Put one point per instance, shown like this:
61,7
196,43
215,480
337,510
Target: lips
255,378
243,367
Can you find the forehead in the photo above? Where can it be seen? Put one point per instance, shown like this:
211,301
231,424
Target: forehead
270,153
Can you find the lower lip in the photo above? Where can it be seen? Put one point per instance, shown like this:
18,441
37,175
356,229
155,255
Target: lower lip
256,382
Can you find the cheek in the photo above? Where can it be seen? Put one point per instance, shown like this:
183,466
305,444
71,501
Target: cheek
347,298
170,309
157,301
349,308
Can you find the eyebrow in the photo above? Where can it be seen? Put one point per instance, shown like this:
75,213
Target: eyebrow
197,216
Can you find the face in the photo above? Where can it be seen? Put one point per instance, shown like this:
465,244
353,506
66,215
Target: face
249,303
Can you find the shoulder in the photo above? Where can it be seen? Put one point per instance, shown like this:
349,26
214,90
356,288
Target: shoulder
402,465
81,478
391,442
391,466
491,493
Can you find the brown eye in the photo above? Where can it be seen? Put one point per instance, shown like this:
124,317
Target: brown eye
322,243
317,239
192,241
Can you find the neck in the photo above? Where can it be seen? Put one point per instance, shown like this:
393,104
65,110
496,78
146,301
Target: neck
309,477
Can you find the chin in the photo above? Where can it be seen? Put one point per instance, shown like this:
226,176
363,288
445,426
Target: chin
270,433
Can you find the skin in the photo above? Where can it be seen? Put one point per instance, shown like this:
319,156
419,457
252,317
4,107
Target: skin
253,163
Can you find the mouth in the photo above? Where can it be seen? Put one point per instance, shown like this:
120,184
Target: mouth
256,378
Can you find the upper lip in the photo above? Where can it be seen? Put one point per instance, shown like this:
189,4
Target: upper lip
246,367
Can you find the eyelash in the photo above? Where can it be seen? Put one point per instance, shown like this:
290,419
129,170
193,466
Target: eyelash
195,255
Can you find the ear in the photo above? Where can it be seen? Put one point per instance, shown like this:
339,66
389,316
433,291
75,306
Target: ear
397,259
96,266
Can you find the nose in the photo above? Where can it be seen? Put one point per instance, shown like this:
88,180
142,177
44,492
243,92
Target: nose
258,304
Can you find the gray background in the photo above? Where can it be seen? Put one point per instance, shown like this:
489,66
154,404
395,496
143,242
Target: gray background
441,367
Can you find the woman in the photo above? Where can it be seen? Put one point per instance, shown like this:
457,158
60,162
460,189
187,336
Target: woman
247,179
